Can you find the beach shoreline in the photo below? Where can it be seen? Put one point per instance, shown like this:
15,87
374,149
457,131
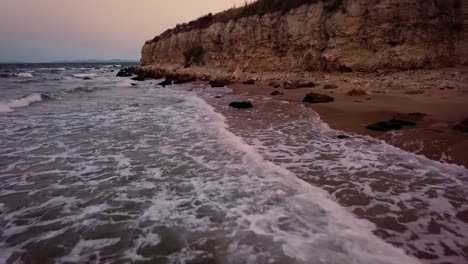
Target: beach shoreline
436,100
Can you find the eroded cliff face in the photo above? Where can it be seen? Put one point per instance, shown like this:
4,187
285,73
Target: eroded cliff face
341,35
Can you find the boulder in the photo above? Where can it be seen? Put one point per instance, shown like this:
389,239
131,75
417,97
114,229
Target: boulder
314,98
241,105
275,93
126,72
330,86
219,83
249,81
420,91
357,92
86,78
165,83
274,84
291,85
463,126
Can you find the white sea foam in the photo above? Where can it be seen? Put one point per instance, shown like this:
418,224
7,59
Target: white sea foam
17,103
24,75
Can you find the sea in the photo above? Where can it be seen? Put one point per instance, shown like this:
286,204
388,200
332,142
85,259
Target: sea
96,168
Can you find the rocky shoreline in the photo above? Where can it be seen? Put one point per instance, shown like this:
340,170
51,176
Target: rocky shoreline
420,111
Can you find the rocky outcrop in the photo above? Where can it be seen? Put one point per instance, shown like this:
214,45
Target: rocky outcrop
326,35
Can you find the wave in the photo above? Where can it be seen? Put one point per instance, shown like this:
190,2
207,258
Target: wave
24,75
85,75
52,69
22,102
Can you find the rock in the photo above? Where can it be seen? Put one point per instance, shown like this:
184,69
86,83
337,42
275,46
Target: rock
420,91
394,124
250,81
329,86
291,85
306,85
165,83
342,137
133,84
241,105
139,78
275,93
274,84
126,72
463,126
86,78
183,78
314,98
219,83
357,92
218,96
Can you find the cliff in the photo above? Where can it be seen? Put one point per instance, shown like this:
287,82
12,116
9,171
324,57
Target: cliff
335,35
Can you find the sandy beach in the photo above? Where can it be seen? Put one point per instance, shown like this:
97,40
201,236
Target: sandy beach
440,95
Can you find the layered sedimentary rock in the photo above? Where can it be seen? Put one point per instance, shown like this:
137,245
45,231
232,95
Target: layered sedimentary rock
337,35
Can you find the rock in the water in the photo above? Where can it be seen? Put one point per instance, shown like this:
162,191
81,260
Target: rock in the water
219,83
126,72
342,137
181,78
241,105
86,78
274,84
275,93
165,83
315,98
330,86
463,126
139,78
357,92
250,81
306,85
133,84
394,124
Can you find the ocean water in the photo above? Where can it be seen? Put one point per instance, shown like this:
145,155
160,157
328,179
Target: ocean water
94,169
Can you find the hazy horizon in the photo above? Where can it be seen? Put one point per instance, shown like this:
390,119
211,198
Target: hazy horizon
56,30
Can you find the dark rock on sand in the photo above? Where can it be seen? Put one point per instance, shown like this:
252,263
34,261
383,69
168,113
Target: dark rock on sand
275,93
394,124
329,86
315,98
420,91
357,92
306,85
274,84
126,72
463,126
241,105
250,81
219,83
413,117
165,83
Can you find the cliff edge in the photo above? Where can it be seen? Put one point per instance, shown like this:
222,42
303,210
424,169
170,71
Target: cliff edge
333,35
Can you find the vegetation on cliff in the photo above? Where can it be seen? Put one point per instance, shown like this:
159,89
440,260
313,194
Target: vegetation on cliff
259,7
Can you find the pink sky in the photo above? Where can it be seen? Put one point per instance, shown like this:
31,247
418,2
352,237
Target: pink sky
47,30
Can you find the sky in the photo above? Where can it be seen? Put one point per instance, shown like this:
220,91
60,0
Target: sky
53,30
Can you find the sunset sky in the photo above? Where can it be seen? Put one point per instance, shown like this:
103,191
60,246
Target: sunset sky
50,30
